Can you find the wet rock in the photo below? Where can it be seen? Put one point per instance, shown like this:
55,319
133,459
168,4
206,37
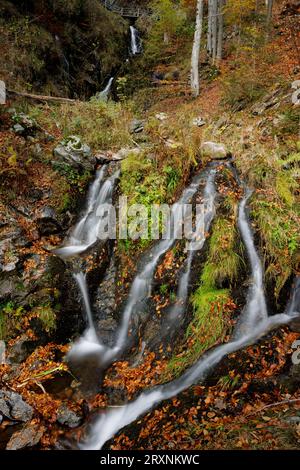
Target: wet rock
29,436
11,287
21,349
137,126
13,407
75,153
47,222
68,417
214,150
291,380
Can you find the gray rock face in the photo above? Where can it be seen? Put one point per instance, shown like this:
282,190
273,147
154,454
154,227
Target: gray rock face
214,150
137,126
13,407
68,417
29,436
47,222
75,153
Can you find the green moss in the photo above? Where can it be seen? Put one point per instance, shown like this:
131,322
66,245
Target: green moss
211,302
10,319
47,315
224,260
278,227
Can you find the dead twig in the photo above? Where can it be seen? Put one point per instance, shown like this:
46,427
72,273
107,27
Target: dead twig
272,405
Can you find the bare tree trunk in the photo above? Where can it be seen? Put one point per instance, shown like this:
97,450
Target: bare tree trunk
196,50
220,31
269,11
209,28
214,29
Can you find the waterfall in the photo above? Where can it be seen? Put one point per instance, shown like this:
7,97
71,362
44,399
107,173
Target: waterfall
135,47
176,312
141,287
85,233
104,94
110,422
255,310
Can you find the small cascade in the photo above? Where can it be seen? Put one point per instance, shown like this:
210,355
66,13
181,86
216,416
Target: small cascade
254,314
135,46
86,232
255,310
104,94
203,225
142,284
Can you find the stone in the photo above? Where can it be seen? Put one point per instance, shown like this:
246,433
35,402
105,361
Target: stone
108,156
137,126
75,153
214,150
13,407
24,125
68,417
29,436
22,347
161,116
47,222
18,129
198,121
270,100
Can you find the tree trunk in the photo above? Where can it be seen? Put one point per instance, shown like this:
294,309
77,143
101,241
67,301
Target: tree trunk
209,28
214,29
196,50
220,31
269,11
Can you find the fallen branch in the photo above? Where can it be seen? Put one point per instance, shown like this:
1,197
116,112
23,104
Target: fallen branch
272,405
57,99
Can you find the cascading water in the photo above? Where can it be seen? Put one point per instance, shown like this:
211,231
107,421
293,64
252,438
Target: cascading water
104,94
255,310
136,47
85,233
141,287
112,421
203,224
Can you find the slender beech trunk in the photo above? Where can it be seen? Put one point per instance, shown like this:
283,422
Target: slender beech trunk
196,50
220,31
214,29
269,11
209,28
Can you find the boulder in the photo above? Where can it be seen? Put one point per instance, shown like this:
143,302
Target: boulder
75,153
68,417
137,126
108,156
13,407
161,116
29,436
198,121
24,125
47,221
214,150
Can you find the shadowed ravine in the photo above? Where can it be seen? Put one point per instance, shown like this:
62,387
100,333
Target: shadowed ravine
254,321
